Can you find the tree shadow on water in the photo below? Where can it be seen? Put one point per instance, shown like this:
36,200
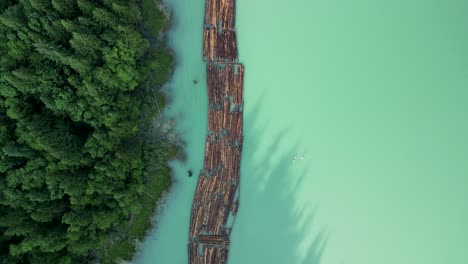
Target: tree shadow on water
271,225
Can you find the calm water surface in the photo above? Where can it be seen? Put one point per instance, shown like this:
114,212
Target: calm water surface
167,244
373,94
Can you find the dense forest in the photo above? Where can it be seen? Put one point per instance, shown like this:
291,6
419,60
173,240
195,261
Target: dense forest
80,167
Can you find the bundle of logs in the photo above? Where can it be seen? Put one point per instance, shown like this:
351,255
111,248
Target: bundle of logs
220,13
215,201
219,45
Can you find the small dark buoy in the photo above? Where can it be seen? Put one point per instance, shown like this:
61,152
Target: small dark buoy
190,173
195,81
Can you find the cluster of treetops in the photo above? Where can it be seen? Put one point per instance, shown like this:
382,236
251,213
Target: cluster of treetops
75,100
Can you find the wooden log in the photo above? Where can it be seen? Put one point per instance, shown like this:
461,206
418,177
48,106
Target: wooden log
220,13
219,45
213,240
215,192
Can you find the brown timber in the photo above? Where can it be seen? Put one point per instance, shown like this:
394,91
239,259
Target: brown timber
216,198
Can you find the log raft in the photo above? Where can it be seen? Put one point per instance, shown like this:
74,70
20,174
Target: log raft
216,198
220,13
219,45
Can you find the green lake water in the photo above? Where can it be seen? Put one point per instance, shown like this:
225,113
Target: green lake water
373,94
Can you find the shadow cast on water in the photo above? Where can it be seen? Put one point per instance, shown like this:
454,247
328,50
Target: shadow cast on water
272,226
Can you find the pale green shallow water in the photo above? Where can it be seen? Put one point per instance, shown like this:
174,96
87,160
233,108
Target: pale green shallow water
375,94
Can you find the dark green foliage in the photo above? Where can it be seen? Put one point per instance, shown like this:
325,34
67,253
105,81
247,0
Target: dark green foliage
75,104
153,17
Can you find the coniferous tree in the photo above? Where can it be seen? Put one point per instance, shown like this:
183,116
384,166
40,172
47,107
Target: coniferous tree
74,103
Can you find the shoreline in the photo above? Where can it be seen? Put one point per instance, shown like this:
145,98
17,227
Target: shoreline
216,198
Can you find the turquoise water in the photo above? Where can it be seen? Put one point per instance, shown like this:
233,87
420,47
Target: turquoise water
373,94
188,106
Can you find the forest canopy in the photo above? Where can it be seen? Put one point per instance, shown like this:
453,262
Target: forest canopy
76,102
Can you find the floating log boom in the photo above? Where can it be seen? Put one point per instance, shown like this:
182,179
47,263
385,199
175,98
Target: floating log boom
216,196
